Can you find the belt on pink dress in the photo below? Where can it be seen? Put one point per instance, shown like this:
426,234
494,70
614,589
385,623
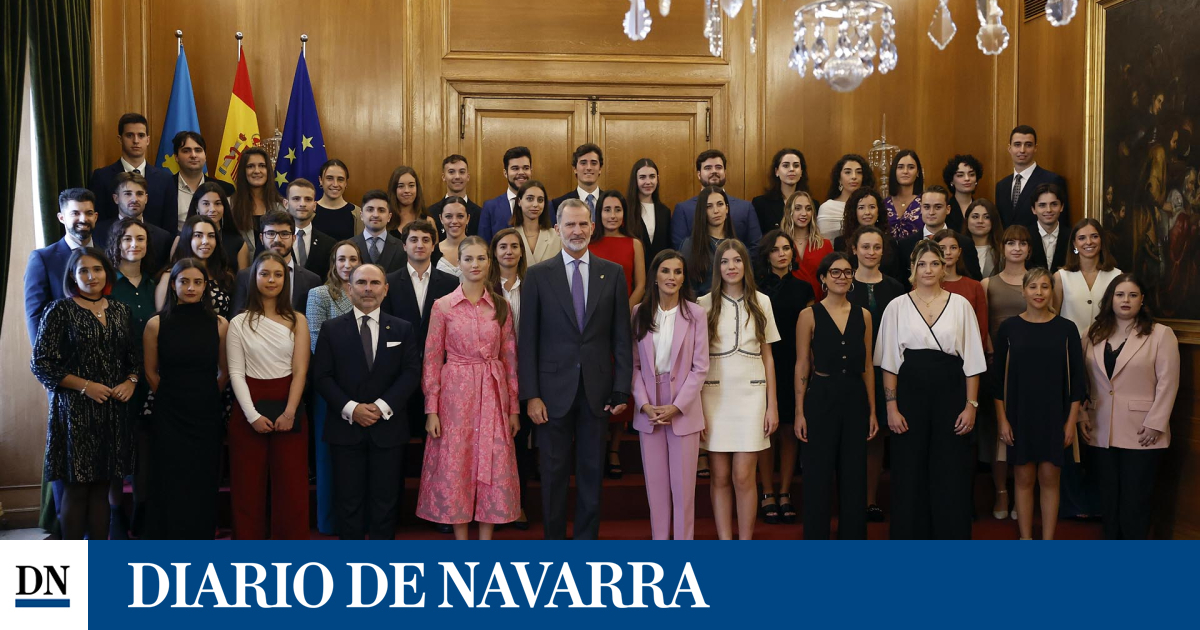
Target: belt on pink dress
495,369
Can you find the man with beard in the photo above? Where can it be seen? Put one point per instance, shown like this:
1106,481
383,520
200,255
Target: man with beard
277,230
710,170
132,196
576,367
498,211
48,266
456,175
190,154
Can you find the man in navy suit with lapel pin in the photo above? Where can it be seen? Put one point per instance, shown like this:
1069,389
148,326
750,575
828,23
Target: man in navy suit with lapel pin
576,367
135,141
710,170
588,163
47,266
366,367
412,291
1014,194
498,211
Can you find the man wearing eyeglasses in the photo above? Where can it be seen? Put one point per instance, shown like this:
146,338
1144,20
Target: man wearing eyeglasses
277,230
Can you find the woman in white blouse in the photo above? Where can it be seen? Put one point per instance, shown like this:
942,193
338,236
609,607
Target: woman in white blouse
932,355
454,219
506,276
534,224
1084,278
268,438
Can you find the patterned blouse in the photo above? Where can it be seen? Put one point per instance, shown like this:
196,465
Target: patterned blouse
907,223
322,308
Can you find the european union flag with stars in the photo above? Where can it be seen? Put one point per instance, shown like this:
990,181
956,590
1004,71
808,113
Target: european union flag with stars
302,151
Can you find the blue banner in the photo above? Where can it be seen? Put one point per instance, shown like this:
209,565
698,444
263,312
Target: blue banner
302,150
181,114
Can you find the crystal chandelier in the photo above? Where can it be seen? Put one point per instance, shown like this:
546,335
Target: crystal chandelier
849,25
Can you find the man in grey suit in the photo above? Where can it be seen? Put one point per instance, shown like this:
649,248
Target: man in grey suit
277,229
576,367
376,245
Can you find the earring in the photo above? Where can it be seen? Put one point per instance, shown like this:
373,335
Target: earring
823,288
839,187
1076,251
851,288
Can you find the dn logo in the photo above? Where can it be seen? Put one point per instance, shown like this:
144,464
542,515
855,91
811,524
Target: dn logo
30,581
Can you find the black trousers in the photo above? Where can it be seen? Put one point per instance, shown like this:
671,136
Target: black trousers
526,462
836,410
931,466
555,439
367,481
1126,489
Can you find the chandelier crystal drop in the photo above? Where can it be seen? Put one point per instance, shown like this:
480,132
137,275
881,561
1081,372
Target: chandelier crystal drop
731,7
1061,12
993,35
664,7
637,20
942,28
852,55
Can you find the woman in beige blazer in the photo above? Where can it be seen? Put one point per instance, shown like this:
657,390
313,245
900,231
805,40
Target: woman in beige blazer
534,224
1133,374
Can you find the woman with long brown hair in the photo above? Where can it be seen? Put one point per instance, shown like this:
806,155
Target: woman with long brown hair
799,222
650,218
985,229
711,227
405,198
254,193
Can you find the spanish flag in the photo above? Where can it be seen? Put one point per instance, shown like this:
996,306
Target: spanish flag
241,124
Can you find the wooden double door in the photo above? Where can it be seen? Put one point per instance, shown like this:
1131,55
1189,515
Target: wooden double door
671,133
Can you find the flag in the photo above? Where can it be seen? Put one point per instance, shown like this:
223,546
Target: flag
181,114
241,124
302,150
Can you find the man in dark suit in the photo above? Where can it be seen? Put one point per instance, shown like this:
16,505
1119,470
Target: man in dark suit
47,266
190,154
710,170
412,291
1014,194
934,210
277,229
456,176
587,162
497,211
366,366
1049,241
576,367
135,141
376,245
312,247
131,198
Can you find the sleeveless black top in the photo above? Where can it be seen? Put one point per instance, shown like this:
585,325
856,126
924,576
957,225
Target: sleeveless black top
834,352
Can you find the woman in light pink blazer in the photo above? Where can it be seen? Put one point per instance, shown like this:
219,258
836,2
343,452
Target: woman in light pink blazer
1133,373
670,362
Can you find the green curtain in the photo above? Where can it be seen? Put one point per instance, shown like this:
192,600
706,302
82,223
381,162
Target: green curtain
60,54
12,92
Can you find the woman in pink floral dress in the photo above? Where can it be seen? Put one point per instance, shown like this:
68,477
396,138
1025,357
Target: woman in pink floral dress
470,383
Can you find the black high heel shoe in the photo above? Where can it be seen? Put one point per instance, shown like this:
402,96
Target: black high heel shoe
613,471
768,513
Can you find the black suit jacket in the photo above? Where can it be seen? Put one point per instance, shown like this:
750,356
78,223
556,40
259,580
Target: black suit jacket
1037,253
340,374
305,281
163,194
160,240
574,194
662,233
1023,213
554,353
391,258
44,282
319,252
473,212
401,300
969,256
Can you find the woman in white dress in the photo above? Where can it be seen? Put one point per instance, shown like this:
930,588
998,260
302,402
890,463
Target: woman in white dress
739,395
1082,281
932,355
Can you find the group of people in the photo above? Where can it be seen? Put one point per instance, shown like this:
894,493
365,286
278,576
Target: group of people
523,335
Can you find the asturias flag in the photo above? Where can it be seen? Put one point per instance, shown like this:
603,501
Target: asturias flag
181,114
241,124
302,150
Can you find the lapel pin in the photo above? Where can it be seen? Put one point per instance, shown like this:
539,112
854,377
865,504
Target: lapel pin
601,276
387,327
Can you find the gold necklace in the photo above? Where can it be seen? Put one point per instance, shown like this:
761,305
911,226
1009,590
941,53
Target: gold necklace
928,303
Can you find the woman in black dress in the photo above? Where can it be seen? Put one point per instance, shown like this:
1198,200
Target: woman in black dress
789,295
835,403
1040,385
87,360
185,367
873,290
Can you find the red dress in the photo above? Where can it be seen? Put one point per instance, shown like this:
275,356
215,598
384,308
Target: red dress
618,249
807,266
470,381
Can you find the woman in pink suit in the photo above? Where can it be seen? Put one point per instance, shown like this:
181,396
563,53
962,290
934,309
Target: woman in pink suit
670,361
470,383
1133,375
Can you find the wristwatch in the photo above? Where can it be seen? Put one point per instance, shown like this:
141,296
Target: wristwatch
973,403
133,379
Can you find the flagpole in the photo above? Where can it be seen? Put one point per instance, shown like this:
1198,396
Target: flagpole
303,44
238,35
178,42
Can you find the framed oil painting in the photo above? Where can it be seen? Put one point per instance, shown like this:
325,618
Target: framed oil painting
1143,152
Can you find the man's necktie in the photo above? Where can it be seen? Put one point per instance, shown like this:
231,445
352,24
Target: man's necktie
1016,190
373,249
577,294
368,347
591,202
136,171
301,250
